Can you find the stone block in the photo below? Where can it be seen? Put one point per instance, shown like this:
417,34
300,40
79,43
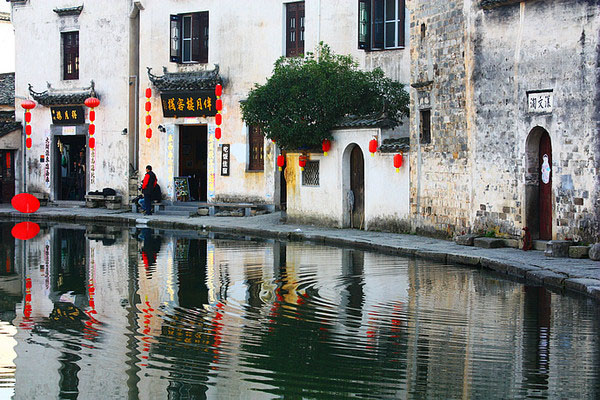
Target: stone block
465,240
579,251
203,212
113,205
557,248
594,253
488,243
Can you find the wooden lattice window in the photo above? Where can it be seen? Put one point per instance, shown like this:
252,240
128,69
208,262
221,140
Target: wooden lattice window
256,142
294,31
310,175
70,44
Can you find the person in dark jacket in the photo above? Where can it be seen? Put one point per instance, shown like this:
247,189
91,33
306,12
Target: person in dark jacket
148,185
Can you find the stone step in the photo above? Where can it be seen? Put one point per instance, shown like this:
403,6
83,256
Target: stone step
488,243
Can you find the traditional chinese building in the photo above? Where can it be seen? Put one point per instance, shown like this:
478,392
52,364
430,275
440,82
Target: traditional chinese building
504,118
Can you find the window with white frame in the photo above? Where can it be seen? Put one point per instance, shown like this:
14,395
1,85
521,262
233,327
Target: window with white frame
381,24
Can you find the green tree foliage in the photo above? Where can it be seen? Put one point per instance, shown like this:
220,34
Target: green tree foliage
306,97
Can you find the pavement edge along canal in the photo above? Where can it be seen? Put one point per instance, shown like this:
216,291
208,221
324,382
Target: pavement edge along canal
558,274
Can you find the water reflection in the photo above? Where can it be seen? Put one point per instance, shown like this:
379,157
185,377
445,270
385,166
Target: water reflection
113,312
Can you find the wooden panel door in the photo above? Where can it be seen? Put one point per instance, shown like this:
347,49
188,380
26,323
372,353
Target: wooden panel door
545,191
7,176
357,186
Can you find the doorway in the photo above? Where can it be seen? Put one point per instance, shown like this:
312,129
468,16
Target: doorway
357,188
7,175
193,156
538,184
70,166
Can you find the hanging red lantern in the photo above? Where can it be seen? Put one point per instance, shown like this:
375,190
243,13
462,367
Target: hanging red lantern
28,104
92,129
148,119
280,161
28,142
28,117
326,146
28,129
25,203
373,146
148,92
25,230
148,106
302,162
219,104
398,162
92,115
92,143
149,133
218,119
92,102
218,90
218,133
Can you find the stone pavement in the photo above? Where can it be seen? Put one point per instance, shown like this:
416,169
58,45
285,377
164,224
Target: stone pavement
561,274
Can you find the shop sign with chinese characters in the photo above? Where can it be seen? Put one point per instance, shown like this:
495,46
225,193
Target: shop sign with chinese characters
225,160
67,115
189,104
540,101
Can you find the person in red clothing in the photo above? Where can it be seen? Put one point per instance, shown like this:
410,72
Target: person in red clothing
148,185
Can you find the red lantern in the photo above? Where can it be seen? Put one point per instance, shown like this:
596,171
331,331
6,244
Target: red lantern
28,104
27,117
398,162
25,203
28,142
218,133
25,230
302,162
92,129
92,115
218,90
148,106
91,102
148,119
28,129
280,161
373,146
218,119
219,104
92,143
149,133
326,146
148,93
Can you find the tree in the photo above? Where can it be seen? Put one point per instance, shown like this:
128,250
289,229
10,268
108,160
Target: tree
306,97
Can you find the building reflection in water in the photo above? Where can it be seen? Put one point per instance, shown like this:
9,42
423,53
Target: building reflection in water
159,315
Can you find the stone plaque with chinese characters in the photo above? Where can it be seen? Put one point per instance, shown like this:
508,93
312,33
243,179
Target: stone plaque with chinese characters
189,104
540,101
67,115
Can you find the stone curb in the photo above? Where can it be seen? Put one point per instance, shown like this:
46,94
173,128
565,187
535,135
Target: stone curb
530,273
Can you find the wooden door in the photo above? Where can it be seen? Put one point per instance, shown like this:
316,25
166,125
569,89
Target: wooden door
7,176
545,188
357,186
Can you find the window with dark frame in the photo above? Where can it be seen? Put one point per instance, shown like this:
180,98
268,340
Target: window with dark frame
189,38
70,47
310,175
256,142
381,24
425,134
294,31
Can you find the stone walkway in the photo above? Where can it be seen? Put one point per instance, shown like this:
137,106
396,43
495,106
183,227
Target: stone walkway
577,275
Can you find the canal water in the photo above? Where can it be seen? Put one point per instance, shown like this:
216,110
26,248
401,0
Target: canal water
103,312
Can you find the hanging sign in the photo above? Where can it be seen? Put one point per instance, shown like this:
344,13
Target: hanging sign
225,160
189,104
67,115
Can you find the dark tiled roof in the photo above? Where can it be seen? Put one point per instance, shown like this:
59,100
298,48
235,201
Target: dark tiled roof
395,145
366,122
68,11
52,97
496,3
7,127
7,89
185,81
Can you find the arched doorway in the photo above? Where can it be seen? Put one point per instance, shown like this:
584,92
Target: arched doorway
357,188
538,184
